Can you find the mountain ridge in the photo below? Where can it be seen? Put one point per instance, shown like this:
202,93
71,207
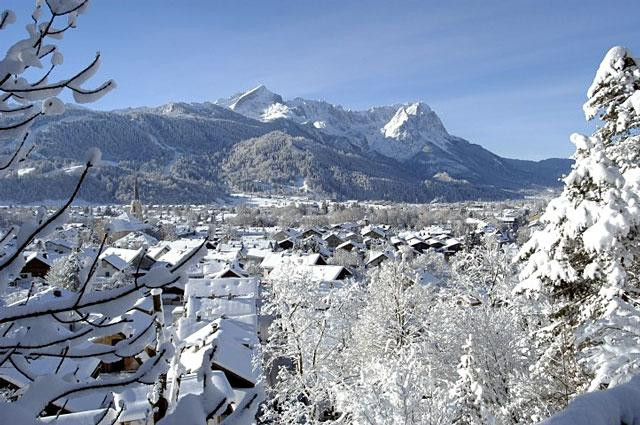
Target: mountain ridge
199,152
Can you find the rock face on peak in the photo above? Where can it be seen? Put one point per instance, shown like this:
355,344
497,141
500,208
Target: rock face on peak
410,130
254,103
258,141
396,131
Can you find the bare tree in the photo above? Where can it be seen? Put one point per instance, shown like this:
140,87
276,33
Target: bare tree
61,324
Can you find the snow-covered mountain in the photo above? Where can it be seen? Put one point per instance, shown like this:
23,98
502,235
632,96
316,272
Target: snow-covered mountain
257,141
397,131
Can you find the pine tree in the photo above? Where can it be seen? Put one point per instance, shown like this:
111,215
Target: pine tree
615,100
582,265
65,272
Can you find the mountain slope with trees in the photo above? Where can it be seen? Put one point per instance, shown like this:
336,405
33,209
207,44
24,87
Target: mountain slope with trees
201,152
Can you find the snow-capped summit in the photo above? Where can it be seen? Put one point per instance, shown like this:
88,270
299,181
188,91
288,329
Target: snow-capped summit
397,131
411,128
258,103
410,120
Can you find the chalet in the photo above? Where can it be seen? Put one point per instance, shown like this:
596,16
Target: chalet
36,264
320,273
59,246
348,246
12,376
114,260
313,231
231,270
397,242
284,234
376,258
452,245
210,299
332,240
314,260
435,243
285,244
139,319
135,240
218,358
419,245
271,261
353,237
373,233
256,254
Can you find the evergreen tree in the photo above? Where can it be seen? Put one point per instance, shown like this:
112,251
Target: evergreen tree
65,272
582,265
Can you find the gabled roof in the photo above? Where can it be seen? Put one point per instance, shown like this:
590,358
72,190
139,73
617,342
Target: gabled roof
46,258
120,258
375,255
229,354
236,287
139,237
321,273
126,223
61,242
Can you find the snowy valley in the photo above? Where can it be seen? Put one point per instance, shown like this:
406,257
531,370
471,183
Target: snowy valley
272,261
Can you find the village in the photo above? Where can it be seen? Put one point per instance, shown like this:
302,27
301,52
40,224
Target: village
213,316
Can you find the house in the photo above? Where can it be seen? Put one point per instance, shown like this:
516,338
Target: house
348,246
354,237
312,231
36,264
452,245
12,376
285,244
135,240
59,246
232,357
114,260
210,299
397,242
124,224
435,243
139,319
217,360
319,273
314,260
332,240
376,258
231,270
418,244
284,234
373,233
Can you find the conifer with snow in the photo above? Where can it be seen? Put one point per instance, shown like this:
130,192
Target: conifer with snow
582,266
65,272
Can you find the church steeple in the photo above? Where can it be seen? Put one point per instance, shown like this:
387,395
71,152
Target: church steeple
136,196
136,206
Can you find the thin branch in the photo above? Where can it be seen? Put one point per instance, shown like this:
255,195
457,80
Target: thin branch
15,154
50,220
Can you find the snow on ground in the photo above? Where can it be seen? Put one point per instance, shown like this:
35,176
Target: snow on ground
25,171
615,406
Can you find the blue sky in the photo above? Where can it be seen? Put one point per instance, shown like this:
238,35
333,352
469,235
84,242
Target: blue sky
509,75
